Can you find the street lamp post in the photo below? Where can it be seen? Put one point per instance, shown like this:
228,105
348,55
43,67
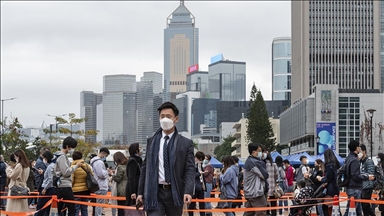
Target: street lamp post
317,143
289,148
2,117
56,122
371,111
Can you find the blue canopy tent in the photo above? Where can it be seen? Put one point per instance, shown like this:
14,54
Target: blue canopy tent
215,163
295,159
241,163
275,154
340,159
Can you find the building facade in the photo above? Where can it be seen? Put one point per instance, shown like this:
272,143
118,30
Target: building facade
226,80
155,78
281,68
331,118
181,50
335,42
144,112
198,81
88,110
382,43
118,108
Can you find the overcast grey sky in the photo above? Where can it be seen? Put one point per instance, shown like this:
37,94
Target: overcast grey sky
51,51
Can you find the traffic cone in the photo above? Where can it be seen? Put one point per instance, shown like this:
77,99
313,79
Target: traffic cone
313,211
54,211
352,207
335,207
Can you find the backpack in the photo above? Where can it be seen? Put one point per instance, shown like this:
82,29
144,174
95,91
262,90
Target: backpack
342,179
379,178
55,178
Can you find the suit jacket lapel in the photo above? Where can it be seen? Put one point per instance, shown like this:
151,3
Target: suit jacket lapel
172,149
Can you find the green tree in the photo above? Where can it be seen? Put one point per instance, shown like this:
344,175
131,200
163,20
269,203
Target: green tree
84,144
14,138
225,148
259,128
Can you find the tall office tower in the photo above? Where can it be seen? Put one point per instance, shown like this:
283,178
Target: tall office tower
181,50
382,43
226,80
157,101
155,78
144,112
335,42
88,109
281,68
118,108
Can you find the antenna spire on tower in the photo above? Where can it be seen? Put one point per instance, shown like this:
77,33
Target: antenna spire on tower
181,2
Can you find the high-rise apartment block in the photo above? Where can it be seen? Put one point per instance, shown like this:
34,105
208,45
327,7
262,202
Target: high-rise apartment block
335,42
281,68
181,50
226,80
88,110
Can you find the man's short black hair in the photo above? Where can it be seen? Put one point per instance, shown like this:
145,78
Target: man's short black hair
253,147
302,157
69,142
235,158
104,150
352,145
170,105
200,155
363,147
286,161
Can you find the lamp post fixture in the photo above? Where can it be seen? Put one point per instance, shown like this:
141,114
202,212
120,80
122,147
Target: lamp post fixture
317,142
2,117
56,116
371,111
289,148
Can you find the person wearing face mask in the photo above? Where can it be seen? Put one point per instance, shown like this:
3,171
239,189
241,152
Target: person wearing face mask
367,167
101,175
354,176
18,175
200,186
46,188
64,171
208,177
133,173
168,172
302,172
255,180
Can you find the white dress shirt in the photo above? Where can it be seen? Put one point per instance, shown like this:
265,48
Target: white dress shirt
161,159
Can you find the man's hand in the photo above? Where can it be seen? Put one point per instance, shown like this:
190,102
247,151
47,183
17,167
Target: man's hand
139,198
81,163
43,191
187,198
133,196
371,177
40,171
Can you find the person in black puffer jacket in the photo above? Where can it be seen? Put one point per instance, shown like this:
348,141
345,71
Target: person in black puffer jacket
331,167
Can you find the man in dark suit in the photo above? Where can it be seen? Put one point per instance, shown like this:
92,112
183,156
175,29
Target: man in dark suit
168,171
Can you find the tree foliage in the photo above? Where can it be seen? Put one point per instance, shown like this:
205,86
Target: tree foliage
225,148
259,128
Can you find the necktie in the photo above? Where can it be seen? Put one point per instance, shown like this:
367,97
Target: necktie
167,171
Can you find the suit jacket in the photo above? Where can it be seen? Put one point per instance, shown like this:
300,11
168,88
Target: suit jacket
183,166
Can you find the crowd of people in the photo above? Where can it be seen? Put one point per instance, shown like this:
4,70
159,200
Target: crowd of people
172,174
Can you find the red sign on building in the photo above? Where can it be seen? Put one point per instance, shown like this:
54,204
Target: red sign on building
193,68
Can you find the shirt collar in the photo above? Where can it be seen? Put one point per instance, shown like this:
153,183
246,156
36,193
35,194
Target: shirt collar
170,135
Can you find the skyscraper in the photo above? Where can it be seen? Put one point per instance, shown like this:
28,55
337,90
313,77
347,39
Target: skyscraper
181,50
88,109
118,108
335,42
281,68
382,43
155,78
144,112
226,80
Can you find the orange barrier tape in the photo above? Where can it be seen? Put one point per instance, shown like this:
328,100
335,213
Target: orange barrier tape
261,208
101,197
99,204
23,197
244,200
26,213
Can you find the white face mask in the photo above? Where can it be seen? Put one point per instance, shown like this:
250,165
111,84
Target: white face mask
166,124
264,155
45,161
378,160
260,154
360,155
71,151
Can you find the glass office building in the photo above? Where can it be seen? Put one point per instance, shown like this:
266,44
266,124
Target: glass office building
281,68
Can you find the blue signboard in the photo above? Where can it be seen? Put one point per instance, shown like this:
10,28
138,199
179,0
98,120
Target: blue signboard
217,58
326,132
